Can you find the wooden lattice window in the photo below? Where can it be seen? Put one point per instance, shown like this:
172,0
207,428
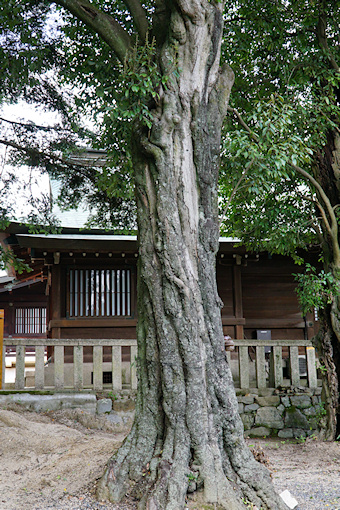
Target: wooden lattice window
30,321
99,292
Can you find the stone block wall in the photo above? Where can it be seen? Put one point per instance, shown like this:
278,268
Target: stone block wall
286,413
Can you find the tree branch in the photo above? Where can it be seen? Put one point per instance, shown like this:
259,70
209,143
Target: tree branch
324,217
244,173
330,121
103,24
139,17
332,227
243,124
29,125
45,157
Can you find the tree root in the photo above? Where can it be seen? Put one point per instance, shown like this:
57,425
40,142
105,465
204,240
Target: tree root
163,483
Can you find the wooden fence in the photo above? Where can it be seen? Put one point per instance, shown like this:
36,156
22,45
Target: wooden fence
252,365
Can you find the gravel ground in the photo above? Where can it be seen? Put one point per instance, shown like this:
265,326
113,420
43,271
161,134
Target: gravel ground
310,470
52,461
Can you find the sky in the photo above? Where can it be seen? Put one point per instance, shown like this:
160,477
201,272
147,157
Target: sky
22,112
31,179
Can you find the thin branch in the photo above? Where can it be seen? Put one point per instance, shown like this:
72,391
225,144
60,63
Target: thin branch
243,124
324,217
28,125
332,228
103,24
319,188
46,157
330,121
244,173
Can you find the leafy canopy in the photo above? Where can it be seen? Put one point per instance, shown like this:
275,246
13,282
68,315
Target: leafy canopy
283,106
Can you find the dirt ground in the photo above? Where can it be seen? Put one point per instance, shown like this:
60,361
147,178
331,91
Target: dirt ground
53,460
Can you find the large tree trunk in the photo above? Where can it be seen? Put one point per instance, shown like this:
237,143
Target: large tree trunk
327,341
329,360
187,433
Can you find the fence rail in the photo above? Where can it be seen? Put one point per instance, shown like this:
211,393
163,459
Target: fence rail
280,365
252,364
77,374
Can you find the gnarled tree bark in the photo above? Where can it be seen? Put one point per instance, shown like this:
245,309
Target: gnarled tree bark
187,433
327,342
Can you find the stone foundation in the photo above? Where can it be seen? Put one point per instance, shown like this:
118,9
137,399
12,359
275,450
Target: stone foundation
286,413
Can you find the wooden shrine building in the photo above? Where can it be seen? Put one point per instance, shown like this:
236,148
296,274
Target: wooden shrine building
83,285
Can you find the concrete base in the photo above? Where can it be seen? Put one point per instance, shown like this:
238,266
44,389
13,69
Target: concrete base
43,403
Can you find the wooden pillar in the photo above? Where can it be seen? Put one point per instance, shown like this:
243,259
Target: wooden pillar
55,299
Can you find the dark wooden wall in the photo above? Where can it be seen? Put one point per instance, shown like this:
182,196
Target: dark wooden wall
259,294
30,296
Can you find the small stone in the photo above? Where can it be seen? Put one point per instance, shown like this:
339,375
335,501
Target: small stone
311,411
286,401
251,407
259,432
271,401
301,401
249,399
295,419
115,418
123,405
269,417
104,405
285,433
299,433
265,392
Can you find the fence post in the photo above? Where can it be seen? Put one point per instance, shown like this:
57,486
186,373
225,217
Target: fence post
59,367
243,357
39,380
117,367
2,351
294,365
311,368
20,367
97,368
260,367
133,362
275,375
